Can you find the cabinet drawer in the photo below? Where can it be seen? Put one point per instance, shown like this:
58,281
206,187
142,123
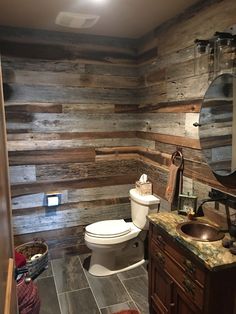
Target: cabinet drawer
187,264
193,291
189,267
157,307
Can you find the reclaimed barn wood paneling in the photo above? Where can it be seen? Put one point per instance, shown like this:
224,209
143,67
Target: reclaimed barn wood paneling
87,115
68,215
65,97
170,78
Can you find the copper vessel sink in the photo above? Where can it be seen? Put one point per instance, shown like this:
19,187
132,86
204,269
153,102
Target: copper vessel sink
199,231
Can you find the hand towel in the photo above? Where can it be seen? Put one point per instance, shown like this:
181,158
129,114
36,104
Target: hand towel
172,183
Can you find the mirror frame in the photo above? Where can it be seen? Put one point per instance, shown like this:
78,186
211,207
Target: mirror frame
226,180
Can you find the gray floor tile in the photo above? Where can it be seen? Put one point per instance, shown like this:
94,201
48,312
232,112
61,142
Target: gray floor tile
69,274
138,271
118,308
47,272
108,290
48,296
145,265
85,258
138,290
80,301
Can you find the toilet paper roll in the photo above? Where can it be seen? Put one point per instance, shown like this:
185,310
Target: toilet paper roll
36,256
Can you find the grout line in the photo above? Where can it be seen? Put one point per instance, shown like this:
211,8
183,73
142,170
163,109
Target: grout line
132,277
130,300
56,288
89,285
129,293
144,267
53,273
46,276
73,290
107,307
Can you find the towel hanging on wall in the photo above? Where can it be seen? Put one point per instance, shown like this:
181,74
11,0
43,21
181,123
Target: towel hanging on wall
175,177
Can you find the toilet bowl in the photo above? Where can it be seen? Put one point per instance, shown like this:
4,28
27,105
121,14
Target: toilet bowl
117,245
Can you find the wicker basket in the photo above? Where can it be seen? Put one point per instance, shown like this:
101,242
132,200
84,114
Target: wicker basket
36,254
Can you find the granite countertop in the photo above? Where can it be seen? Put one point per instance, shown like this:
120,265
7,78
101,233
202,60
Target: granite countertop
212,254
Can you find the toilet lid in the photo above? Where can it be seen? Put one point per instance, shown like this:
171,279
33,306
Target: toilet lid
108,228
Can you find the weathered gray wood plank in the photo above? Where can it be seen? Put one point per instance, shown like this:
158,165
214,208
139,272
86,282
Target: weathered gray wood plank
67,66
98,193
27,35
35,222
35,200
33,93
51,156
197,24
38,145
79,183
72,196
20,174
69,79
85,170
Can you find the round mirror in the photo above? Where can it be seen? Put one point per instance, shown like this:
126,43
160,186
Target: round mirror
217,131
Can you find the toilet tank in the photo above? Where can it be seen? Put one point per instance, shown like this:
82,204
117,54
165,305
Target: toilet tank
141,206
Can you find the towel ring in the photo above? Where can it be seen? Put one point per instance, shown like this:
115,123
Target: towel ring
174,156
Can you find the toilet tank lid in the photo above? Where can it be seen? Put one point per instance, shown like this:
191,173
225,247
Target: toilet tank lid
143,199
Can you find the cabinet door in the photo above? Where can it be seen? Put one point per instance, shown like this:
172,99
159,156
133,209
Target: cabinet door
161,287
182,304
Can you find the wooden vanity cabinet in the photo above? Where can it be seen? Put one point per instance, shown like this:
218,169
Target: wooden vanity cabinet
180,284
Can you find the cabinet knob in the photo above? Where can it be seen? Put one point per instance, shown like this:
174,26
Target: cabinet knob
161,258
188,286
160,239
172,308
190,267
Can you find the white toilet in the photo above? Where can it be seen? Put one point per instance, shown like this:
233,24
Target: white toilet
117,245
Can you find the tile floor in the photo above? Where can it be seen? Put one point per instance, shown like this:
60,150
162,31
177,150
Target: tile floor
67,288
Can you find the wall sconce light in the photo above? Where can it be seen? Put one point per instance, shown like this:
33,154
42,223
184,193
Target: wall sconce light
216,55
225,45
201,56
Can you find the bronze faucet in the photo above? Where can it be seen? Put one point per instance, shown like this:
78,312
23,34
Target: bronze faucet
199,211
231,227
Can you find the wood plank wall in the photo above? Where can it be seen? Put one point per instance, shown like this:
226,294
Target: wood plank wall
67,98
87,115
173,91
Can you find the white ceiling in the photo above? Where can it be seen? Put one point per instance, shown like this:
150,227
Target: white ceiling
122,18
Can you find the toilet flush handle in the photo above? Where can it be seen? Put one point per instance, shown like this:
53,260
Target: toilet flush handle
153,207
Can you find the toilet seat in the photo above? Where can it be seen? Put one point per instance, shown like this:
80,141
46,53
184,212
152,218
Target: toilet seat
132,233
108,228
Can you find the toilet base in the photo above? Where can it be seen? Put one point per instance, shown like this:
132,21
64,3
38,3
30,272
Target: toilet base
99,271
111,260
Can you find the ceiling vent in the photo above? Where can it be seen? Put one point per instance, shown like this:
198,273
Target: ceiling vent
76,20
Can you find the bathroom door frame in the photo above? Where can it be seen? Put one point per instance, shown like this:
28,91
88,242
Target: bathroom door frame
8,299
